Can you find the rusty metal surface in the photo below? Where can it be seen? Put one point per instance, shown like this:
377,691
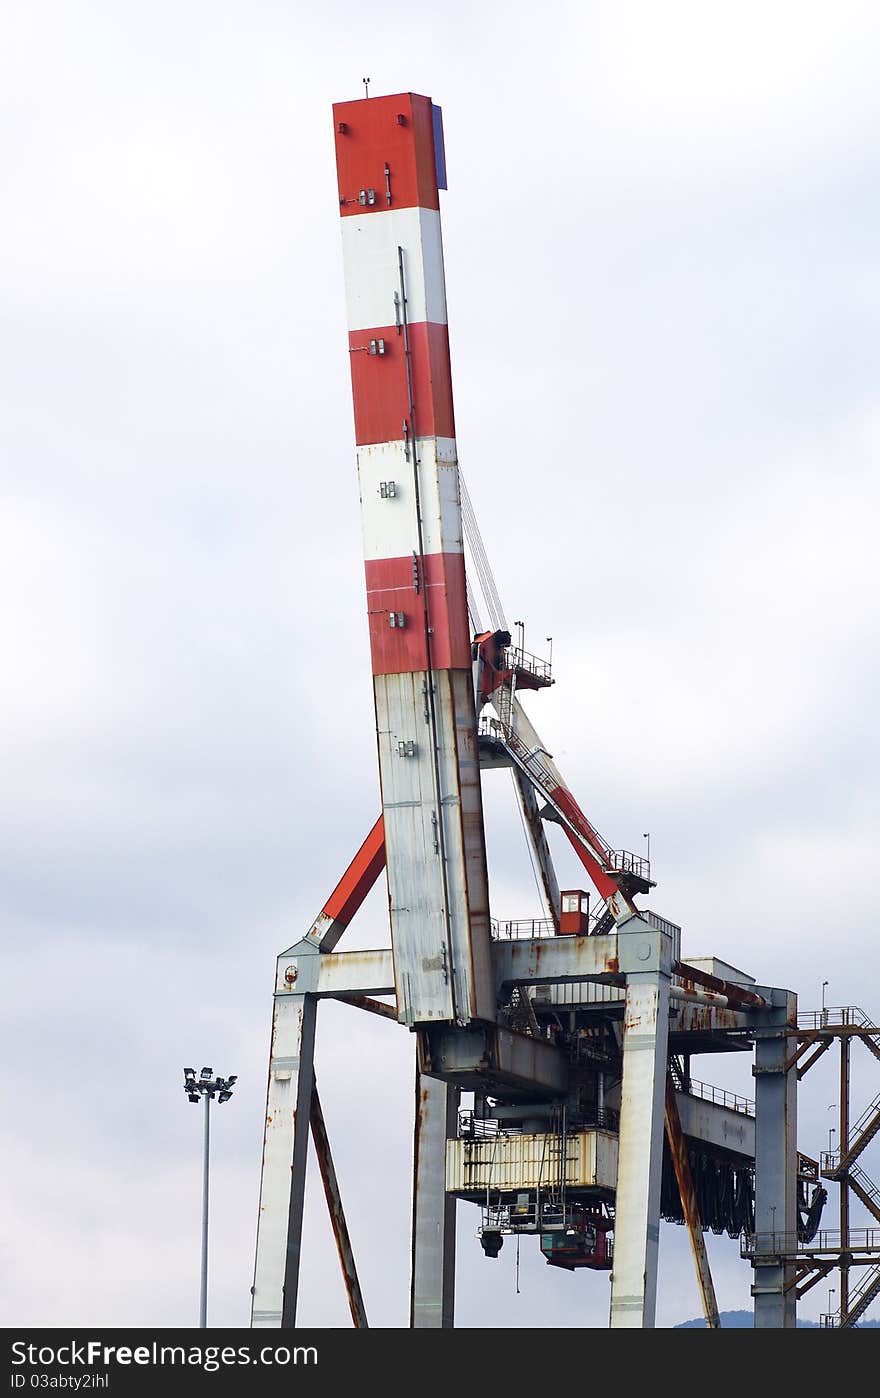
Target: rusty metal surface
556,959
302,970
492,1055
738,995
699,997
337,1213
366,1002
681,1165
803,1052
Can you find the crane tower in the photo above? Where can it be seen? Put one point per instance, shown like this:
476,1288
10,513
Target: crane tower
571,1036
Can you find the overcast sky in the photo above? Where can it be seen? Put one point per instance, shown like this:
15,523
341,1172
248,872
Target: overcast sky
661,238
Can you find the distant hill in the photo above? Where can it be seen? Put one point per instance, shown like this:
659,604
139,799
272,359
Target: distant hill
744,1320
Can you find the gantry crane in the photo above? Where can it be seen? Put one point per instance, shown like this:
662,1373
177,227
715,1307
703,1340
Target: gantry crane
575,1040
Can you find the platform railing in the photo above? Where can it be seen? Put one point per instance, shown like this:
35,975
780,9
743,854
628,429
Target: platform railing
721,1097
773,1244
833,1017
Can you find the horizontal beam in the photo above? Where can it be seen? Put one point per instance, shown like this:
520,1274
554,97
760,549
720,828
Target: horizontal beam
543,960
716,1125
303,970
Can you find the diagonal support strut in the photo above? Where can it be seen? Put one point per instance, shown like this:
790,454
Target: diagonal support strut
337,1214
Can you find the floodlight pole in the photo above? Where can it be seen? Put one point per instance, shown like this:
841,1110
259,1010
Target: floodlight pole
205,1086
203,1298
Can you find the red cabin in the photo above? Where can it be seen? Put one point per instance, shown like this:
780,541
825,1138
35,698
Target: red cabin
574,920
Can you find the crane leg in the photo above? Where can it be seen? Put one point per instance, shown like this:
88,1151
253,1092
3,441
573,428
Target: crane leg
775,1180
637,1207
433,1224
283,1181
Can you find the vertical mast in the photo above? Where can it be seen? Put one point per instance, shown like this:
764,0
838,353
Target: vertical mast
390,166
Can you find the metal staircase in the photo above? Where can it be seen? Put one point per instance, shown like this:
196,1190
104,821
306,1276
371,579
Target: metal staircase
529,761
859,1300
837,1163
865,1189
871,1041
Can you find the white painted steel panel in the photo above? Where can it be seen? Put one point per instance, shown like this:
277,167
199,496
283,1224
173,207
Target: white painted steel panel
422,955
722,969
550,960
372,274
716,1124
531,1162
390,524
637,1206
474,933
428,954
279,1228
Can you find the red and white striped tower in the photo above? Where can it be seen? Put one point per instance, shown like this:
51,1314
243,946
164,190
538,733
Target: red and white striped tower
389,157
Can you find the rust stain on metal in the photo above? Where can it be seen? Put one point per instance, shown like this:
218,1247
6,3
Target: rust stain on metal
366,1002
736,994
690,1208
337,1215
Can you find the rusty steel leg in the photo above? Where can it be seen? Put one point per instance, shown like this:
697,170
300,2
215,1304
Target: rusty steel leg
432,1290
775,1180
337,1215
682,1167
285,1142
637,1208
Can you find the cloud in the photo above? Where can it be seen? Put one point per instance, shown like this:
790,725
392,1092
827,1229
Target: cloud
661,262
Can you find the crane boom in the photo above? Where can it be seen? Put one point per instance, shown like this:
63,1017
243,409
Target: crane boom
390,167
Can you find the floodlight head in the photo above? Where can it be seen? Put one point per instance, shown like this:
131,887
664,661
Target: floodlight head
491,1241
230,1081
189,1073
193,1096
206,1073
224,1095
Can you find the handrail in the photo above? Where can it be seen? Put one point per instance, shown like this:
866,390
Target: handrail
771,1244
617,860
721,1097
522,928
864,1120
836,1016
517,659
